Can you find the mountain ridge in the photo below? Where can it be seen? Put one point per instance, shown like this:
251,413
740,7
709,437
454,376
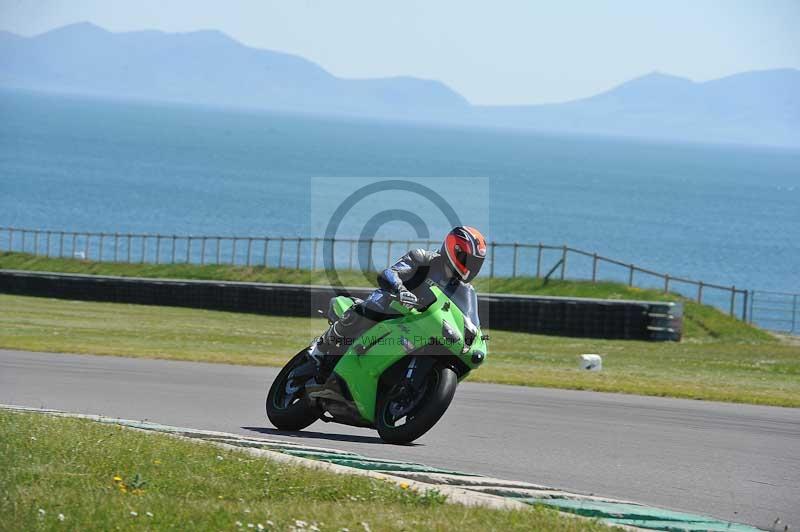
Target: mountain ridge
209,67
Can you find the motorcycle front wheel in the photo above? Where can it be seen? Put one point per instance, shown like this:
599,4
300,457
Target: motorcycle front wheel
404,416
287,407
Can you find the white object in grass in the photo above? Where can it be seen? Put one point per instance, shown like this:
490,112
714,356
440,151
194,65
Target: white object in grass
591,362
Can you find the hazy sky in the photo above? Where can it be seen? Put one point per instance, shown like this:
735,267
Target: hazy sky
503,52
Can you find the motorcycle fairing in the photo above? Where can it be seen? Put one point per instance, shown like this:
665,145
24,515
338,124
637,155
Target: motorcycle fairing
376,350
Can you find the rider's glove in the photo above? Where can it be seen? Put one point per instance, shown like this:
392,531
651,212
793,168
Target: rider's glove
407,299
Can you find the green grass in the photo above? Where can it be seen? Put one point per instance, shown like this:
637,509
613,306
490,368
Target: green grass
750,371
700,321
59,473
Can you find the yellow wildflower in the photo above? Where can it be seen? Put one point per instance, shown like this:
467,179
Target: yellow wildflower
117,478
404,485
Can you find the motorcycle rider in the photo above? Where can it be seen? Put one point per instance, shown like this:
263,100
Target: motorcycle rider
453,267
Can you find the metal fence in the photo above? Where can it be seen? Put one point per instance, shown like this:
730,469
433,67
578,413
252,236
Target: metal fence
778,311
504,259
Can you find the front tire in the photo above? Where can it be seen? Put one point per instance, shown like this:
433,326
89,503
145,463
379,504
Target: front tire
438,391
287,407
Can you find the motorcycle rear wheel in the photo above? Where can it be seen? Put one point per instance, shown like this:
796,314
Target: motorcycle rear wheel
285,410
438,390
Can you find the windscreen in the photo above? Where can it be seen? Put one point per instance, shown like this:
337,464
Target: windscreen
464,297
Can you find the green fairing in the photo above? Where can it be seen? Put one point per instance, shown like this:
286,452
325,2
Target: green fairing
362,372
341,304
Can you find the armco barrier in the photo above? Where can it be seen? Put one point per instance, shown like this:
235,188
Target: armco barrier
580,317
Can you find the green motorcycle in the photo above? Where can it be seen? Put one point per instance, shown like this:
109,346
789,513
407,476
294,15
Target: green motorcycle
398,377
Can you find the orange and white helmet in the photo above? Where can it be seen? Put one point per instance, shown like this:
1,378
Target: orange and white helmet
464,249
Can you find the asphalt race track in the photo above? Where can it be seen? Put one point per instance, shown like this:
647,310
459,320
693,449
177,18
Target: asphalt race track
734,462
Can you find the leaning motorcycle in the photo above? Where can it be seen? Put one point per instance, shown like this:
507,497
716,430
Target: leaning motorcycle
398,377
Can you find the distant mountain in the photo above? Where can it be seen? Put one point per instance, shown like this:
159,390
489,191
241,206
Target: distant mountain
210,67
760,107
203,67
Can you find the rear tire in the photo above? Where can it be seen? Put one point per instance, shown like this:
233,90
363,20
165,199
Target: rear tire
440,388
289,411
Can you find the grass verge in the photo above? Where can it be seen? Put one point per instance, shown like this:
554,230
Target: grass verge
759,372
700,321
61,473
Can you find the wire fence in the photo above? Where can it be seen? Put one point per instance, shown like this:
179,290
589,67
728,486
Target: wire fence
778,311
771,310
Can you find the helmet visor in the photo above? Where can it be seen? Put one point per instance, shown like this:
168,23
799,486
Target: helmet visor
474,265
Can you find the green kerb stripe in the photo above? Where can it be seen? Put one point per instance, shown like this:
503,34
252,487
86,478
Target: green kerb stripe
640,516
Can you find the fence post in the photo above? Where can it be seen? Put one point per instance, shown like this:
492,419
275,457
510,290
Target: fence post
280,253
594,268
188,250
74,243
219,244
369,255
36,242
116,247
158,248
249,249
733,300
60,244
47,254
129,249
172,251
700,292
297,259
352,252
666,283
100,249
266,247
389,253
491,269
516,253
563,262
539,261
752,298
744,306
10,239
233,251
630,274
314,255
203,251
144,249
86,247
23,240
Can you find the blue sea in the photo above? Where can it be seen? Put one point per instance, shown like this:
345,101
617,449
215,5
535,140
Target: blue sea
723,214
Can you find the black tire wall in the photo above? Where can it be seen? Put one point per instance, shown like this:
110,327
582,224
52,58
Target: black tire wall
560,316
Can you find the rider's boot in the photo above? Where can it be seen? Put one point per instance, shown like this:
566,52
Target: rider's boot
329,347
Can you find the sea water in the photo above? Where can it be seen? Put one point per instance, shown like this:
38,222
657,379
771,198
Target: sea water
723,214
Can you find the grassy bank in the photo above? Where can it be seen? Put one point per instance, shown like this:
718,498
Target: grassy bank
71,474
732,369
700,321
